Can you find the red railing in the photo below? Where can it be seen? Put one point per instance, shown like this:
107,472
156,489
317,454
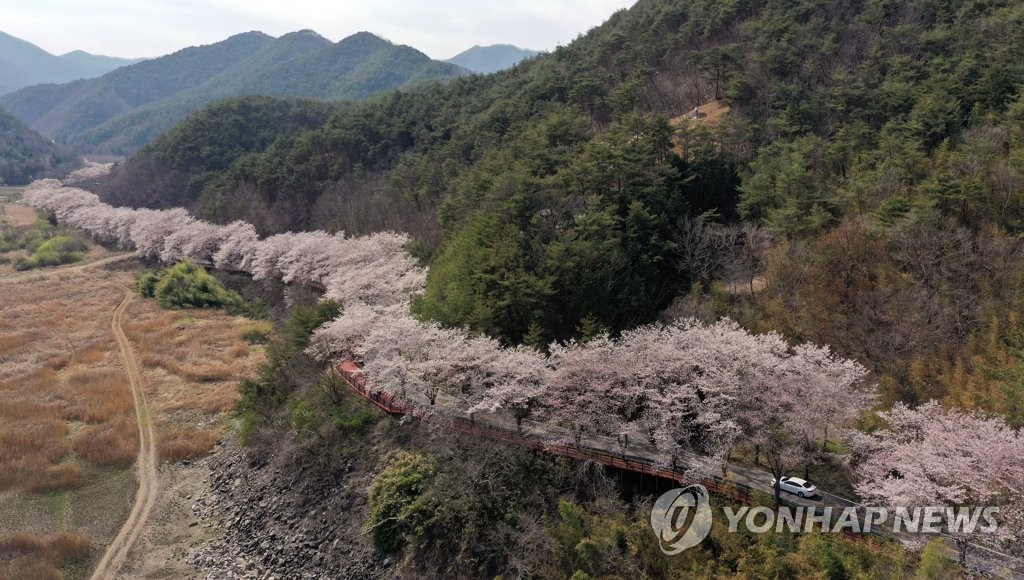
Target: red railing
354,377
739,492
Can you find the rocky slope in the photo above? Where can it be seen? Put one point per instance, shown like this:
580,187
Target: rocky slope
275,519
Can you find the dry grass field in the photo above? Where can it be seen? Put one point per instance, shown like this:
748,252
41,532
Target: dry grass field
18,215
68,432
192,361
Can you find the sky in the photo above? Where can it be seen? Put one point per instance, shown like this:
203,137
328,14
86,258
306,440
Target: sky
441,29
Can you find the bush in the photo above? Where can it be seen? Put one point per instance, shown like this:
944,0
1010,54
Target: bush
304,419
186,285
393,497
287,367
56,251
146,284
257,333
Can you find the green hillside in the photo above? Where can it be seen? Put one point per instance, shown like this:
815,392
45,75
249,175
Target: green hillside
173,170
26,155
874,151
122,111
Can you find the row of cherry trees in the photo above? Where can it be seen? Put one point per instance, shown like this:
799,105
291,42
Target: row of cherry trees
687,388
692,390
374,270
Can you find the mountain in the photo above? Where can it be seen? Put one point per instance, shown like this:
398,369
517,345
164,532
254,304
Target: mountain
586,151
23,64
122,111
489,59
852,176
26,155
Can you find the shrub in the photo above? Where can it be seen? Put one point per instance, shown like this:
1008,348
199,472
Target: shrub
393,497
257,332
146,284
304,419
186,285
287,366
56,251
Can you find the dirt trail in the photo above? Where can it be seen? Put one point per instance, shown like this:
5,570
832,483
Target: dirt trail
145,497
49,273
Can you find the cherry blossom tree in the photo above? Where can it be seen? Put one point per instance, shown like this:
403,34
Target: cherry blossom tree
268,255
196,240
90,171
515,382
345,334
151,229
238,246
930,456
375,269
397,351
579,396
309,256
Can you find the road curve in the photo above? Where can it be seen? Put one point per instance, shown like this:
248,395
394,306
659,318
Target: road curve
145,497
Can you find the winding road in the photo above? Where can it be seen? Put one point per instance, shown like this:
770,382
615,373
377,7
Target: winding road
145,497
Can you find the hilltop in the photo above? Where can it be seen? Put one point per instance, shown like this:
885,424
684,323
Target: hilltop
122,111
23,64
489,59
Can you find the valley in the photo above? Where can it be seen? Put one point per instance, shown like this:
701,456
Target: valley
69,428
694,293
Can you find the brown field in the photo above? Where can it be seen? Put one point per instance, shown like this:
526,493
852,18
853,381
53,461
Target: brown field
191,363
40,557
68,432
17,214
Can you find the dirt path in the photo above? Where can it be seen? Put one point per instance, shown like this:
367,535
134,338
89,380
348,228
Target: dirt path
146,463
48,273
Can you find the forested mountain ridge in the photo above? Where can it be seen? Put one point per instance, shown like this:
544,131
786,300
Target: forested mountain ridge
63,110
23,64
196,152
121,112
873,149
26,155
489,59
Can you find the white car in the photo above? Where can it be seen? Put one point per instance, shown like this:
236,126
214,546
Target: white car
796,485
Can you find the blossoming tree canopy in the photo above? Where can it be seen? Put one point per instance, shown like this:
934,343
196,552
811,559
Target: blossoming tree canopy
930,456
686,388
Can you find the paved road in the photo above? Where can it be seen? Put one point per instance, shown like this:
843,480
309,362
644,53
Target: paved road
639,455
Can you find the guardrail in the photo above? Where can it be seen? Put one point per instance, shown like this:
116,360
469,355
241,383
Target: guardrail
740,492
737,491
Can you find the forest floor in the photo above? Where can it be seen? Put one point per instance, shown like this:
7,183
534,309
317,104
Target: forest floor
69,434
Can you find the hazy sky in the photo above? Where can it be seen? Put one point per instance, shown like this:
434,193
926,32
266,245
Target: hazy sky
147,28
